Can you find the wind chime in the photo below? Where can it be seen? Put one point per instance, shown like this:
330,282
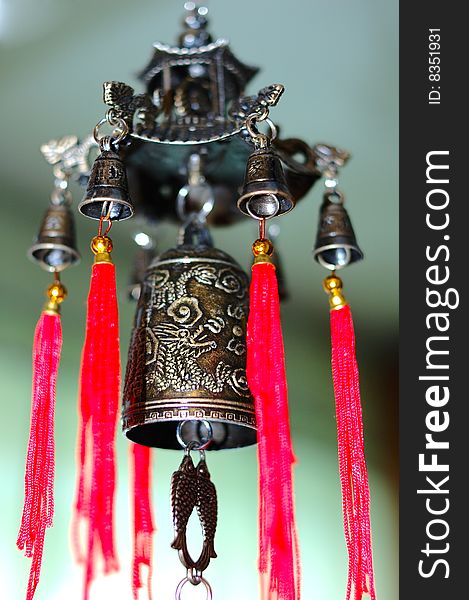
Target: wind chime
205,367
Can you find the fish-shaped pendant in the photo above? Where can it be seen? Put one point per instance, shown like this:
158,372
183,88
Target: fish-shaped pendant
207,510
183,501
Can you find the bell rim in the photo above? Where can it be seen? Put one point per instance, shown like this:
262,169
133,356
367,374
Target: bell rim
155,422
242,201
90,201
318,251
76,257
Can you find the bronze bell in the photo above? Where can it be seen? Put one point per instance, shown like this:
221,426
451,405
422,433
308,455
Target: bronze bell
265,193
336,245
54,249
107,194
187,355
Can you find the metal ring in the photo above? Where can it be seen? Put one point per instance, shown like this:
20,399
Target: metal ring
111,117
193,445
254,132
183,582
259,116
120,131
334,195
181,201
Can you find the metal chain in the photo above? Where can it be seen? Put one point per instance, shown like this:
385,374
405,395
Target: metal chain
119,133
261,140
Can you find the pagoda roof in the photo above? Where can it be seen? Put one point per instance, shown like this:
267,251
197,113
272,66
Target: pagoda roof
165,55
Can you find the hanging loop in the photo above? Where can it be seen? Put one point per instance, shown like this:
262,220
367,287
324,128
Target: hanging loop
200,196
261,140
106,219
334,195
195,200
204,441
183,582
119,133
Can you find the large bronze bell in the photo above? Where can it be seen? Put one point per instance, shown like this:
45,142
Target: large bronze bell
336,245
187,354
54,249
107,193
265,193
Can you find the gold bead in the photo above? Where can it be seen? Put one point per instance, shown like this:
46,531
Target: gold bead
332,283
101,244
263,248
57,292
333,286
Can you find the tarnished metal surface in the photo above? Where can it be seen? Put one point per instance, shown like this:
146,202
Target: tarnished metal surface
207,509
183,124
188,351
191,488
265,192
107,193
54,248
183,501
336,245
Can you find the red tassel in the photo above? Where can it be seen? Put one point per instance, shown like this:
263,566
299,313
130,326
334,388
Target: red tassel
99,401
278,547
352,465
143,518
38,510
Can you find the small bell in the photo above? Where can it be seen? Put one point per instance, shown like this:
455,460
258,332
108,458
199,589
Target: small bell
336,245
107,193
55,246
265,193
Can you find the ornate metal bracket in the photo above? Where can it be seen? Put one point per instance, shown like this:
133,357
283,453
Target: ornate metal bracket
126,105
70,157
329,158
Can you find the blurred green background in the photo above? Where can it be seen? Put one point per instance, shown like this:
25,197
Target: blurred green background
338,62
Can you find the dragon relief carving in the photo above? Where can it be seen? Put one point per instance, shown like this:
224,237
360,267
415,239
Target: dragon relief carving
174,346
